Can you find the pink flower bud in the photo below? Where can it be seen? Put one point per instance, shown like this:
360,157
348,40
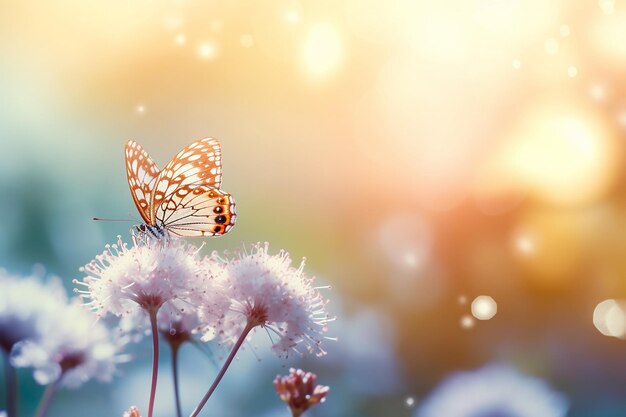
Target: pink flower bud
299,391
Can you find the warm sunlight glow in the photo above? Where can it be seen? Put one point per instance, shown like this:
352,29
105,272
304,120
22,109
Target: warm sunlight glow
563,153
322,50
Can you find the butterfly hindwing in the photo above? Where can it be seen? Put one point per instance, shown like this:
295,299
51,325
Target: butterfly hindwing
199,164
197,210
142,174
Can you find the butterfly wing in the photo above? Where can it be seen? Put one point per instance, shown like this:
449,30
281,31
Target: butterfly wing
199,164
142,174
197,210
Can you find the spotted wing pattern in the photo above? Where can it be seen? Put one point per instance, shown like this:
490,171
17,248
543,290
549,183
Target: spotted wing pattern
184,197
197,210
142,174
198,164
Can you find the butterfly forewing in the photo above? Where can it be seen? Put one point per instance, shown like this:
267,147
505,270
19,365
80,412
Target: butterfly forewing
199,164
197,210
142,174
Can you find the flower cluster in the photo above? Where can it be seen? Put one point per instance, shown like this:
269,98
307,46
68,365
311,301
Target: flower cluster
166,284
220,295
59,339
299,391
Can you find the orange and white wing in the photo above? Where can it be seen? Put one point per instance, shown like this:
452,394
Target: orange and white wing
195,211
199,164
142,174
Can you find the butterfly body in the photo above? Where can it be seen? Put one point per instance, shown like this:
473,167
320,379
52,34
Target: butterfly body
156,231
184,198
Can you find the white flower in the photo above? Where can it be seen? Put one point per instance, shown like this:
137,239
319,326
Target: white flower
266,290
495,390
24,301
41,330
150,274
77,348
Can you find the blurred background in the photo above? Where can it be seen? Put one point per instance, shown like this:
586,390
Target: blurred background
453,169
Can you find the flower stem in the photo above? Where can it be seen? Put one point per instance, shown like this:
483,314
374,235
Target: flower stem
174,349
11,384
219,376
46,399
155,359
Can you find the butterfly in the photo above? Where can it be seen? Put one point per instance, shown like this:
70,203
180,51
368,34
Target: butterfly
184,198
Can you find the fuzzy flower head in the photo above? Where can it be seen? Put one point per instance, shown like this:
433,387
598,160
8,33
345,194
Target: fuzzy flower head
149,274
77,349
495,390
24,303
266,290
299,391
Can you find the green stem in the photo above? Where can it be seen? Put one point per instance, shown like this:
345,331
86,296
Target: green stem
11,384
46,399
219,376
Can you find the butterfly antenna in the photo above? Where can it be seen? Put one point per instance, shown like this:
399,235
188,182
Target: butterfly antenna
135,218
132,219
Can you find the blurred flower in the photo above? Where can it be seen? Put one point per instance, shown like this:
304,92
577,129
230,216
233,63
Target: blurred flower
150,274
132,412
178,327
268,292
495,390
299,391
76,348
24,303
41,330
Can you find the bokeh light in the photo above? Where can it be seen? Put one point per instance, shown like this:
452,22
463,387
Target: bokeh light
207,50
467,322
409,402
322,50
484,307
609,317
180,39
